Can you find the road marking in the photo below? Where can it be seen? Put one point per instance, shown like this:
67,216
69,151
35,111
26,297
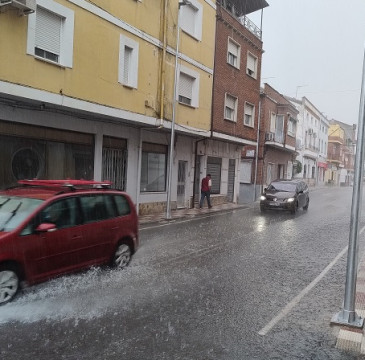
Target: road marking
304,292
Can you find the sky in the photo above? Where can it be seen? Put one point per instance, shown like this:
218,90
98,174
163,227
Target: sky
315,48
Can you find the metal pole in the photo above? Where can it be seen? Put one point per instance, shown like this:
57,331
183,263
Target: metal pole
172,139
347,316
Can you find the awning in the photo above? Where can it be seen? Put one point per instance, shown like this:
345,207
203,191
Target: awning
244,7
322,165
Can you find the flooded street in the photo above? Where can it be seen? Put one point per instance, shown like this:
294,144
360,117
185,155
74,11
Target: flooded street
230,286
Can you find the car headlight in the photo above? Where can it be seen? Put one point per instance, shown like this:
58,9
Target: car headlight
262,197
290,199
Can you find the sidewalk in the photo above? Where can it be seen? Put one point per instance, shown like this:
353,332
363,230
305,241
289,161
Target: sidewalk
190,213
352,339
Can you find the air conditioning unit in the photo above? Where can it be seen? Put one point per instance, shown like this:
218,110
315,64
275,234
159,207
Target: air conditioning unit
25,7
269,136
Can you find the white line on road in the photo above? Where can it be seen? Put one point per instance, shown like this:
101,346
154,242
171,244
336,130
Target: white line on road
305,291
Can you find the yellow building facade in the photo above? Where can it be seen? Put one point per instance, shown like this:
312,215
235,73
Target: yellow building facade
87,90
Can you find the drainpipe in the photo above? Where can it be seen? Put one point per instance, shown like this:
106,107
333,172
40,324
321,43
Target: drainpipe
257,147
163,62
139,170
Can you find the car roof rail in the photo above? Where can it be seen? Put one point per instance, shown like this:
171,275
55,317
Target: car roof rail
67,183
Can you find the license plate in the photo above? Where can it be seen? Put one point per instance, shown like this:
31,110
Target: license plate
273,203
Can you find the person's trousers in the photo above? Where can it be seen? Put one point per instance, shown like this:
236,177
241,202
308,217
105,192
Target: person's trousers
205,194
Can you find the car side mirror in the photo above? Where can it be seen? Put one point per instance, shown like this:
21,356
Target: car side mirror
46,227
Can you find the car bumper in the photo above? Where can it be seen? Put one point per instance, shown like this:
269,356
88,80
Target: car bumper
277,205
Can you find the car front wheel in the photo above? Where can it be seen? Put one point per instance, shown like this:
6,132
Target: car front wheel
122,256
295,208
306,205
9,283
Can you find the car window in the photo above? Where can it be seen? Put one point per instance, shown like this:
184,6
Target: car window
97,207
63,213
14,209
281,186
122,205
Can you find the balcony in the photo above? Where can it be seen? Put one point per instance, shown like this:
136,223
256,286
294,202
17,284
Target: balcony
250,26
275,137
239,10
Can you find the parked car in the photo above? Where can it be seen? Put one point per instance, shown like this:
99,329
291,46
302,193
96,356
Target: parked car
54,227
285,195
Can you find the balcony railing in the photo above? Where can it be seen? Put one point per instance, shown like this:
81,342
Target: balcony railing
249,25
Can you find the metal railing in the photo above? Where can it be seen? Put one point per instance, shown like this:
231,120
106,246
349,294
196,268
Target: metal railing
249,25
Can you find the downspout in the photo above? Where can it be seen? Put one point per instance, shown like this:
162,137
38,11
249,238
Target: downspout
257,147
163,62
139,171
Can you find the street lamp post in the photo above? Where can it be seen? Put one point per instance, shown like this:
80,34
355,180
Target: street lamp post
348,316
172,138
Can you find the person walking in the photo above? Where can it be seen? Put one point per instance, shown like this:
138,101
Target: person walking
205,191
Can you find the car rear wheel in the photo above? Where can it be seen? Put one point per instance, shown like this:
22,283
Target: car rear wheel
9,283
122,256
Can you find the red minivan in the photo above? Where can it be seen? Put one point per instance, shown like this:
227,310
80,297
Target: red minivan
54,227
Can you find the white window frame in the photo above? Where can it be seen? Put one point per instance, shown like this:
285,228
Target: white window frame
252,121
291,126
234,110
251,70
132,70
186,17
272,122
195,85
230,55
67,32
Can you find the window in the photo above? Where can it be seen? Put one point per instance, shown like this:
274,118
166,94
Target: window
188,87
50,33
97,208
128,62
292,126
63,213
233,55
153,172
272,122
191,19
122,205
251,65
186,84
249,115
230,108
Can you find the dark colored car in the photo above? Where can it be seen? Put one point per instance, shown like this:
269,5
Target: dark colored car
285,195
49,228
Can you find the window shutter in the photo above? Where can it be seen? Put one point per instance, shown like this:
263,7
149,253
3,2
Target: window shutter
186,86
127,64
251,61
230,102
48,31
233,48
189,15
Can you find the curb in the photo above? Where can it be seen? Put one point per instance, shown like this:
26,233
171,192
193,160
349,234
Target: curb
352,339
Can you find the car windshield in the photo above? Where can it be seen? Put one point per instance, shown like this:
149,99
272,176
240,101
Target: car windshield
14,209
279,186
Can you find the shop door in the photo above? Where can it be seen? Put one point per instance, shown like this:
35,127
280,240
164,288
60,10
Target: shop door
231,173
181,184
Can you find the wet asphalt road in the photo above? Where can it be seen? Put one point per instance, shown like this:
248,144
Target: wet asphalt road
200,289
